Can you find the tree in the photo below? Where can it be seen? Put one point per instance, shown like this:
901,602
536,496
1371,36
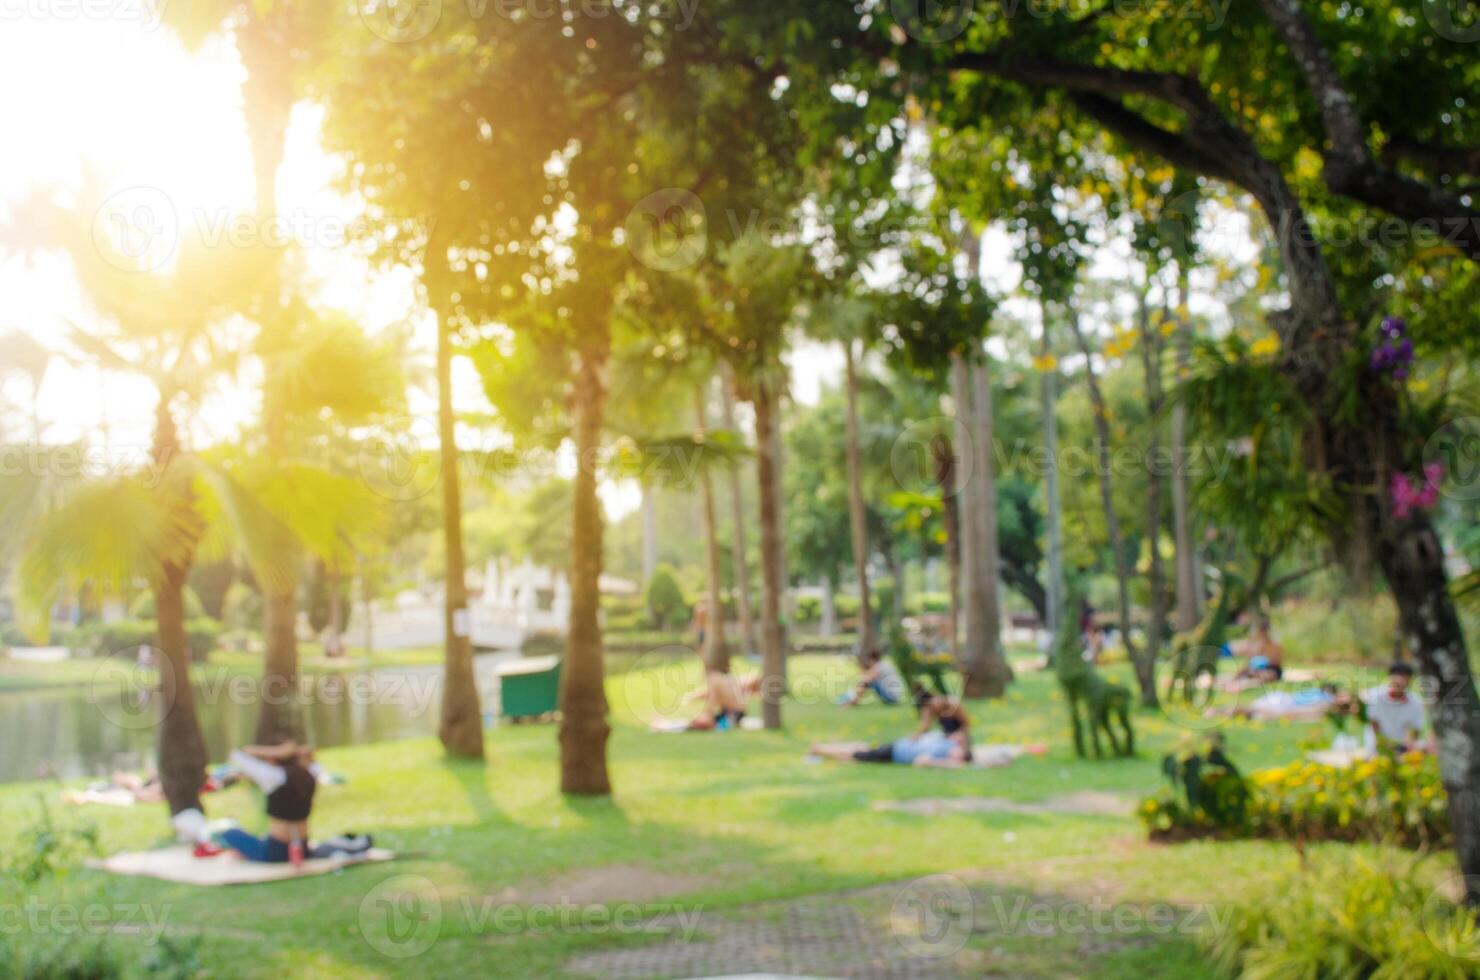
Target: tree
1248,117
152,522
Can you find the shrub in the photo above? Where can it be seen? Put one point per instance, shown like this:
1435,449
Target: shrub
665,601
72,960
1344,918
1398,801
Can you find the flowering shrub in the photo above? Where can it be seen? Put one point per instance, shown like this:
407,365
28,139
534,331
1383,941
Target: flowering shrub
1394,352
1400,801
1409,494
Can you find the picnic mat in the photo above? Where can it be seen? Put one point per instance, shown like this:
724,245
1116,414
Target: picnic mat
676,726
112,796
180,865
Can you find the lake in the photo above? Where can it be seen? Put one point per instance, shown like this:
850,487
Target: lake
91,731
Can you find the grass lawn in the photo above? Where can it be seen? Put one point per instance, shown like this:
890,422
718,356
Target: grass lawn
734,836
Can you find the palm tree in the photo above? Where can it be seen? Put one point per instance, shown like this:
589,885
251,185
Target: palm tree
328,512
151,522
763,286
738,556
272,38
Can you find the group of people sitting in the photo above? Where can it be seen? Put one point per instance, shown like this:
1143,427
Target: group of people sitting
288,776
1391,715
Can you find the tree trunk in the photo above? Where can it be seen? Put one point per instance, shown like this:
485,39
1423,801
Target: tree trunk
649,533
896,571
583,707
829,624
857,515
267,98
738,554
716,650
970,602
182,749
1412,559
461,729
1145,669
1053,504
990,674
1151,363
773,656
334,642
945,477
1189,583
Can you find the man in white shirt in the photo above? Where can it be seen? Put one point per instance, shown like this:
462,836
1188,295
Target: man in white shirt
1394,713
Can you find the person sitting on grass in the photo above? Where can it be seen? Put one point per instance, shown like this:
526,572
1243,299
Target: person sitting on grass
1266,663
289,776
879,676
1395,716
726,701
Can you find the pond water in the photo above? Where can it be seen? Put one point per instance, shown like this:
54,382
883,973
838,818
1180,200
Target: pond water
92,731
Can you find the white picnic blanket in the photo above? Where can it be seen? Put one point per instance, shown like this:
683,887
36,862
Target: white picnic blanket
179,864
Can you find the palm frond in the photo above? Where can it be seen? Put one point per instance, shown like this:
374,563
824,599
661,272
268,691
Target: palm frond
109,533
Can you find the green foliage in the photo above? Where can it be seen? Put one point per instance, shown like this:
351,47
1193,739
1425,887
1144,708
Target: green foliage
1349,918
174,959
1207,793
71,960
665,602
47,849
127,635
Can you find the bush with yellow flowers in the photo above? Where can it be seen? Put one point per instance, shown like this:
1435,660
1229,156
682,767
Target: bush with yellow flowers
1399,800
1395,800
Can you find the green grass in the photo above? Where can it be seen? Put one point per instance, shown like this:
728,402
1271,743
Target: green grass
741,816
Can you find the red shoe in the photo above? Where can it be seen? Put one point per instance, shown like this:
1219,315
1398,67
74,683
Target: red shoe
208,850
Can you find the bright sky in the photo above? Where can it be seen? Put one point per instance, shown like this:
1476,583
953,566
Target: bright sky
119,92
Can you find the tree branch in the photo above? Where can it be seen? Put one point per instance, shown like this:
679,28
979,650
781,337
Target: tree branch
1351,170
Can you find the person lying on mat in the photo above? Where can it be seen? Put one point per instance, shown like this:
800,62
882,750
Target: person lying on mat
289,776
921,749
879,676
726,700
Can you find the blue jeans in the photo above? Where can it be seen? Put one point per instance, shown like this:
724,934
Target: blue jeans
268,850
882,694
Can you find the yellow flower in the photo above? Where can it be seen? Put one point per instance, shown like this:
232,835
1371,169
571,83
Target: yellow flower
1265,346
1045,363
